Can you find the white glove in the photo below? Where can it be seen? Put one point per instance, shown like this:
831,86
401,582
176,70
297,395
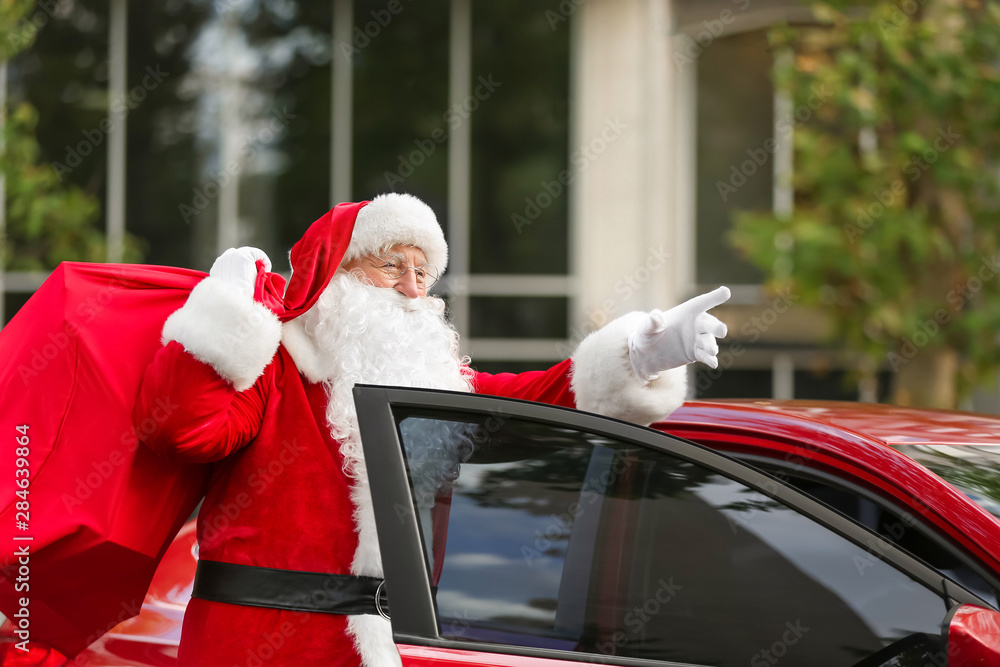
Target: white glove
685,333
238,267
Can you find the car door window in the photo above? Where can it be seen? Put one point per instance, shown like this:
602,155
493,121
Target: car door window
540,535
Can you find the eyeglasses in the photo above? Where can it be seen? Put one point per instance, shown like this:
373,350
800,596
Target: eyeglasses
395,267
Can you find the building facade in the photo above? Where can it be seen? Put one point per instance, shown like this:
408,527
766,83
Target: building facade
585,156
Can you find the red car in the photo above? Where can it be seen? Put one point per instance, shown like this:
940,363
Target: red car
539,536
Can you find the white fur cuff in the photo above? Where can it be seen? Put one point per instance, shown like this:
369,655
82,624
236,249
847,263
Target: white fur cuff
219,326
604,382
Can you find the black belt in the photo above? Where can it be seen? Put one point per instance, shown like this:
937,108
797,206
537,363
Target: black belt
289,589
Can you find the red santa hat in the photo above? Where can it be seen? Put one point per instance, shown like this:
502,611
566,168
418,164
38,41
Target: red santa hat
346,232
398,219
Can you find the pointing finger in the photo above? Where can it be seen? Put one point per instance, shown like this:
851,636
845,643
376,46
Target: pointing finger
709,300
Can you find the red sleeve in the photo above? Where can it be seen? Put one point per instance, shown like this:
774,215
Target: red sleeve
186,411
548,386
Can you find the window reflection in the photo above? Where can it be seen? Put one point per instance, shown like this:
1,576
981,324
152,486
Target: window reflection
519,138
237,141
230,142
401,119
548,537
735,99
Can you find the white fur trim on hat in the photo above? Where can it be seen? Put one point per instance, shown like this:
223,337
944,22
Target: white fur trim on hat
603,380
394,219
227,330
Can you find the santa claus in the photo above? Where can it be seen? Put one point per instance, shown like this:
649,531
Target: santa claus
289,568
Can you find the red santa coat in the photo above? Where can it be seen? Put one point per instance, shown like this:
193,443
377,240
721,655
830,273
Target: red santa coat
278,497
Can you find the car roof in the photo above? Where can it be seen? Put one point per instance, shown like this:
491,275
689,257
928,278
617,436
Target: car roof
886,424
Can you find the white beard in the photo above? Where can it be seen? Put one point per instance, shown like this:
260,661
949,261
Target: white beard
372,335
358,333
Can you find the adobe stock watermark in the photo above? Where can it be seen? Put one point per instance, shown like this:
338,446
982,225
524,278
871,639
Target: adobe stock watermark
128,609
559,529
119,111
780,648
204,195
640,615
928,328
458,113
580,159
481,435
895,530
758,157
272,642
625,287
752,329
566,9
743,515
225,514
58,342
29,25
914,168
902,14
101,470
795,462
451,286
362,36
454,627
693,46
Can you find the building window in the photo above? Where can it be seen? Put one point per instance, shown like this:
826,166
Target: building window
735,146
237,134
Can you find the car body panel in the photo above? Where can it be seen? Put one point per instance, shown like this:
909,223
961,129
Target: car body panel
974,635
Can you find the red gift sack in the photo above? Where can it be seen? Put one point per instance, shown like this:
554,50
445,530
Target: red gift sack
87,510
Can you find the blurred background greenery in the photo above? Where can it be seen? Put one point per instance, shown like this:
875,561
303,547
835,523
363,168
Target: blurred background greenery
896,219
831,162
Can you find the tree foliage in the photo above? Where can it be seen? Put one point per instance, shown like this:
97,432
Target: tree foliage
897,211
47,220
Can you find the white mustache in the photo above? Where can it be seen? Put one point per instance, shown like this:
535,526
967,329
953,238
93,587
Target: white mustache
430,303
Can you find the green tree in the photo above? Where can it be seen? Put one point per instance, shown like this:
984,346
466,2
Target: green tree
897,212
47,221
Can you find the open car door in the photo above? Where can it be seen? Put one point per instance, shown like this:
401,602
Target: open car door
514,533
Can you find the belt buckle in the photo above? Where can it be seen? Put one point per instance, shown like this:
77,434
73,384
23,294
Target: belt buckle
378,603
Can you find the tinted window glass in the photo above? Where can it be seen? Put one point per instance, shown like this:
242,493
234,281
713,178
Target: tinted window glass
519,209
905,531
543,536
519,317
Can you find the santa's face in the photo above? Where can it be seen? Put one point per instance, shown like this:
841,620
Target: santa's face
372,269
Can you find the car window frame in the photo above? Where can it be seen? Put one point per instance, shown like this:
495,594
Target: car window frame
407,580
